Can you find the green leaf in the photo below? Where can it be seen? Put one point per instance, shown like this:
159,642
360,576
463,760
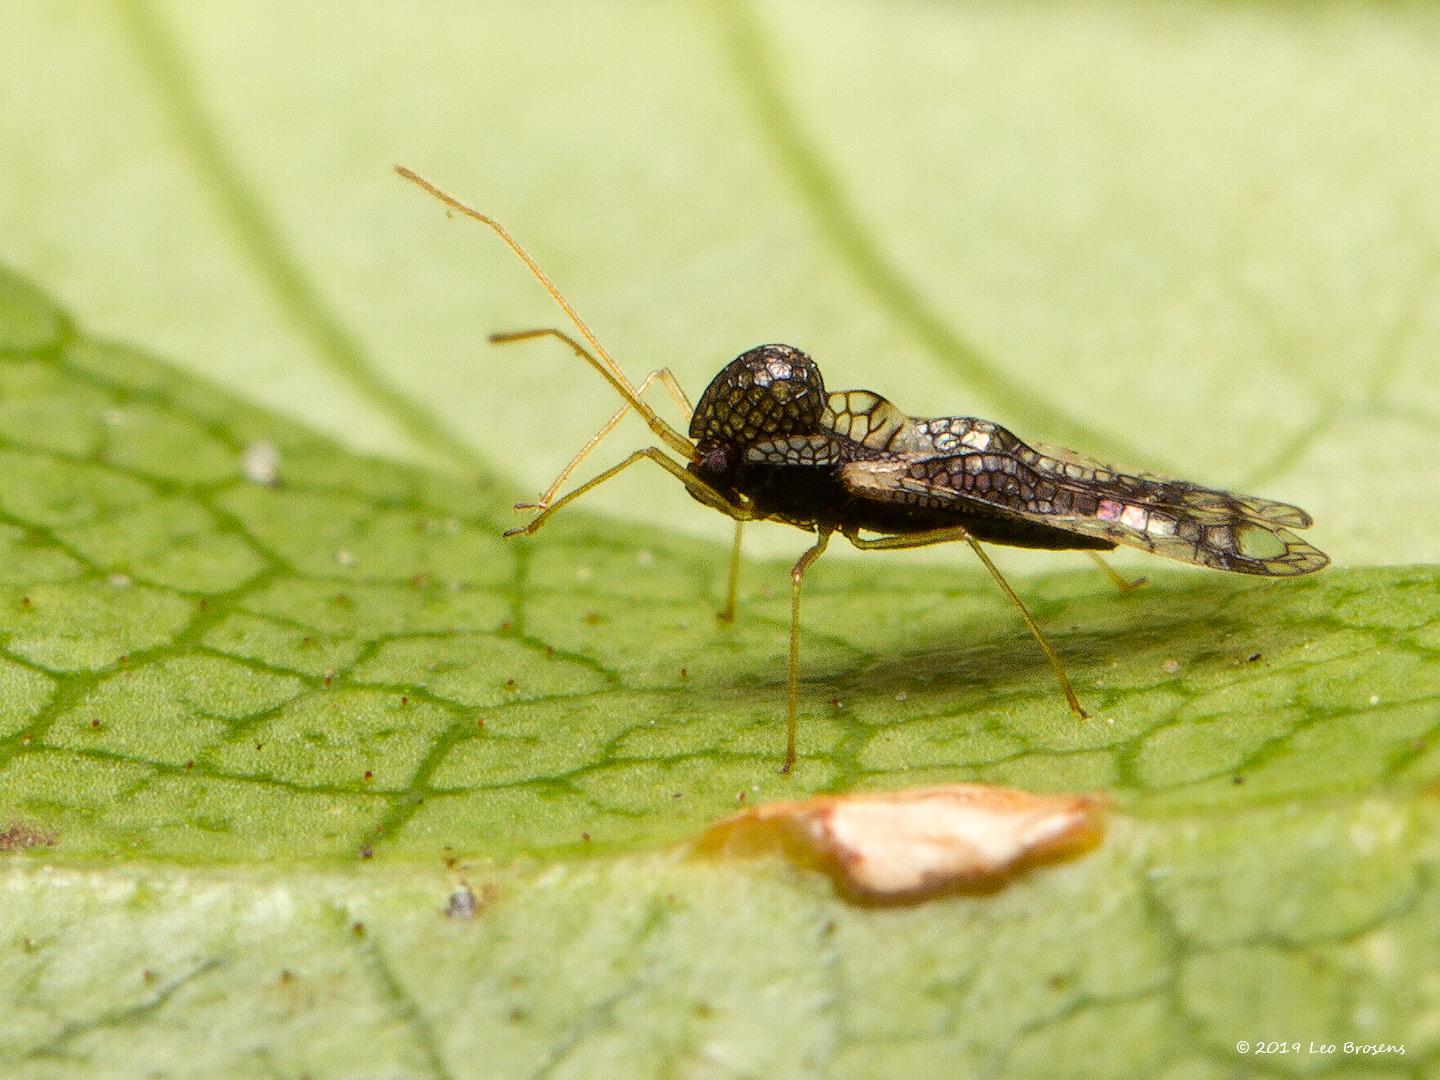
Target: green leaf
242,760
301,716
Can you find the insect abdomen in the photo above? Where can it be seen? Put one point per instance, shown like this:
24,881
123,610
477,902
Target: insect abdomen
808,496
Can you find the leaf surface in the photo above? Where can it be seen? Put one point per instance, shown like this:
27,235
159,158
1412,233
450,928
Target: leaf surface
257,740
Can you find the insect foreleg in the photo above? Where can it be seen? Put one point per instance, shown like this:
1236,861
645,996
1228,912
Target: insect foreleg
797,574
940,536
703,491
728,614
1120,581
663,374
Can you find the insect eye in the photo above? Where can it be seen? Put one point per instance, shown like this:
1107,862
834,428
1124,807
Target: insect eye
715,461
769,391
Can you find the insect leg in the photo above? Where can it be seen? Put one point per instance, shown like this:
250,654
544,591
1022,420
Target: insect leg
1121,582
599,359
703,491
940,536
1050,653
797,573
728,615
610,425
677,393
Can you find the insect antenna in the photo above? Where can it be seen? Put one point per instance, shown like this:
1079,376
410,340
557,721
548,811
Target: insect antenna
600,360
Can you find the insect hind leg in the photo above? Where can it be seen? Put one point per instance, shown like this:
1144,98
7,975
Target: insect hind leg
941,536
1119,580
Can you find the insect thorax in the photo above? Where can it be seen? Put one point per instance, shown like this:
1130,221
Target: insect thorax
767,392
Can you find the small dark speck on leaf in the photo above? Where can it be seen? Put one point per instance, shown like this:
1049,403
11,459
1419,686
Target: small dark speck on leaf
358,929
518,1015
341,600
549,652
836,703
510,685
259,746
204,604
95,724
1237,780
369,775
405,700
505,627
585,836
593,618
26,603
684,673
148,977
307,642
677,795
329,680
419,581
366,851
1252,657
480,723
190,764
286,976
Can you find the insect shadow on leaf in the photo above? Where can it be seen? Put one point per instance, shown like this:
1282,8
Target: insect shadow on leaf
768,442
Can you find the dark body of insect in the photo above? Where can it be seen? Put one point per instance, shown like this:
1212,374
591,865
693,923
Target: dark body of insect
770,436
768,442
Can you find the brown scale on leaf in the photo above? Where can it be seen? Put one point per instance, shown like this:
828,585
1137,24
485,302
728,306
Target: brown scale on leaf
767,442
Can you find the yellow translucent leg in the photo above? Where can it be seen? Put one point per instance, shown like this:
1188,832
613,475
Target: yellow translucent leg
664,375
797,574
599,359
941,536
1120,581
703,491
728,615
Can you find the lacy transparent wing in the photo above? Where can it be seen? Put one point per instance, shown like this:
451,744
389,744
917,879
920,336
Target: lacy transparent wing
967,461
864,417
